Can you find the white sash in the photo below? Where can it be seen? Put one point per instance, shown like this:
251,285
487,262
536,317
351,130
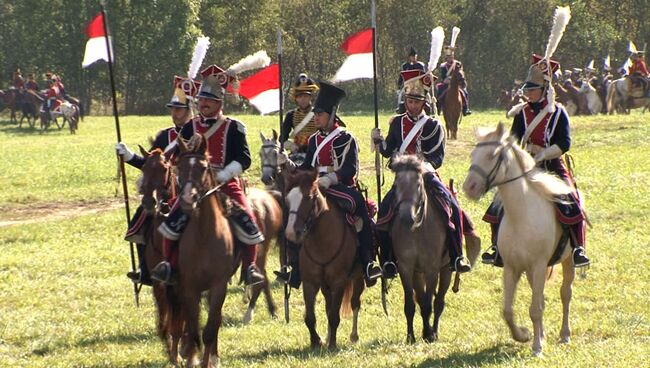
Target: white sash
208,133
302,124
416,129
529,129
333,134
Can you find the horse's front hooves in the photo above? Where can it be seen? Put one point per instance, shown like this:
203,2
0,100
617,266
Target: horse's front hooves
565,340
523,335
537,353
248,317
317,345
433,337
410,339
354,338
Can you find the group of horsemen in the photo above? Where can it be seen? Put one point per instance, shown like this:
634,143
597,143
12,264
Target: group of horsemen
54,93
319,141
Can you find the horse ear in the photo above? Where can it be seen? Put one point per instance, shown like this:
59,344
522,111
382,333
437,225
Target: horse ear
151,140
262,137
181,144
275,135
500,130
144,152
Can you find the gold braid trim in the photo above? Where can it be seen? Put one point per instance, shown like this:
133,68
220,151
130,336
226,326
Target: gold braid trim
302,137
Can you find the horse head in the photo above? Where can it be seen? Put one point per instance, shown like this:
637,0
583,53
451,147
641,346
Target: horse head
306,203
487,167
269,158
194,174
157,180
410,194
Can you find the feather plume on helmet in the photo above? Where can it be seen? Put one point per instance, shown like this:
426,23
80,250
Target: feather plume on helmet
302,85
540,73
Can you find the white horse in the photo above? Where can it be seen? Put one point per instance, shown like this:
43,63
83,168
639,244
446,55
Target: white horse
529,231
617,93
594,104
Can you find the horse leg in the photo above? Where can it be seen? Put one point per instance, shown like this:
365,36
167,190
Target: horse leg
250,311
537,279
191,306
568,274
333,302
425,307
261,264
309,291
409,303
211,329
510,280
359,285
444,281
162,317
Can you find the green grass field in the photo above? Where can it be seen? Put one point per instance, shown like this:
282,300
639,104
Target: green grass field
65,302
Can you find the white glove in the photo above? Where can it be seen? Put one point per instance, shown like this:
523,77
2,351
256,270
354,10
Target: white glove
534,149
375,135
283,158
230,171
549,153
290,146
124,151
328,180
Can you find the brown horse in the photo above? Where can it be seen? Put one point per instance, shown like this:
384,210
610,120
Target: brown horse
452,104
30,108
9,99
419,243
327,256
158,185
207,257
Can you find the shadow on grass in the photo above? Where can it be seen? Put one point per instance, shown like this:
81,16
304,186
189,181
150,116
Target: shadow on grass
91,341
501,353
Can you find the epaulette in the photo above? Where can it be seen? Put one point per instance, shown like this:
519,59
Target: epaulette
240,126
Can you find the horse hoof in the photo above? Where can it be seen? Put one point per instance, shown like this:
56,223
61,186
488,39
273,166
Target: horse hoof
248,316
332,348
354,338
537,353
522,336
565,340
316,345
410,339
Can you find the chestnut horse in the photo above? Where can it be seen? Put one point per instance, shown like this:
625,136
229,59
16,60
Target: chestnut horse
529,231
452,104
158,186
327,256
207,257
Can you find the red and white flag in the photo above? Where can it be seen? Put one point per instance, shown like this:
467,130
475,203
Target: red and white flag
262,89
96,45
358,47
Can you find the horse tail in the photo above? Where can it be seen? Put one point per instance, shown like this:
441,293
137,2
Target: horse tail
82,110
611,91
346,305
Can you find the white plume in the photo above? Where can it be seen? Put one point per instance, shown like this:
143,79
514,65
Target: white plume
454,36
632,47
437,39
255,61
560,20
606,62
200,49
591,64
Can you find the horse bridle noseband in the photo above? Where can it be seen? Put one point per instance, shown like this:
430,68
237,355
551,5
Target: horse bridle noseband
309,222
203,193
489,177
274,166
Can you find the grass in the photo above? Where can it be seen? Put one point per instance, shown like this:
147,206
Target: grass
64,301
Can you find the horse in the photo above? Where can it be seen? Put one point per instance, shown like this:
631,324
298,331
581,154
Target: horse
529,231
158,185
419,244
617,97
562,96
30,108
207,256
10,100
452,104
594,104
578,98
327,256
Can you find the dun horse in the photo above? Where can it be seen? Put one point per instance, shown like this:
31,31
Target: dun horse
529,231
419,235
327,256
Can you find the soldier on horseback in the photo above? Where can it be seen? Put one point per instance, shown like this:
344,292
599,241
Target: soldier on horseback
334,153
542,126
447,68
638,71
229,157
51,97
31,84
296,125
18,82
165,141
414,132
411,65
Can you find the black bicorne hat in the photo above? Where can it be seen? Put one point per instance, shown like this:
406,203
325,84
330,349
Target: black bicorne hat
412,51
328,98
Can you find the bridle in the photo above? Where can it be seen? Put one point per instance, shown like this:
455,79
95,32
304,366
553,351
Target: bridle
266,160
420,205
311,219
201,191
489,177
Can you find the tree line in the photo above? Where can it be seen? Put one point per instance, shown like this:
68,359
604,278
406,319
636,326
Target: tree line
153,41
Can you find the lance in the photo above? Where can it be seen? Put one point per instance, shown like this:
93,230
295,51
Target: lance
373,16
102,3
285,255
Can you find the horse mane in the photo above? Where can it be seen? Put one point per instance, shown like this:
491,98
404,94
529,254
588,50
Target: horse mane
547,184
402,162
305,179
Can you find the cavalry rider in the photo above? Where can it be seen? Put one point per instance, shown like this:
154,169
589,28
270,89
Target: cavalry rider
18,82
639,70
164,141
416,133
446,69
334,152
229,157
57,81
51,97
294,124
31,83
542,126
412,63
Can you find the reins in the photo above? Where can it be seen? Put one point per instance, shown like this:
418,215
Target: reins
490,176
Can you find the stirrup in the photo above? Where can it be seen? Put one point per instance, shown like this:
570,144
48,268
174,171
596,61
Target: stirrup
162,273
284,275
253,276
372,273
460,265
490,258
389,270
583,261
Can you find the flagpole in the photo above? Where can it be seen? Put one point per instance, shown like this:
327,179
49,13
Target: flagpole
281,113
136,289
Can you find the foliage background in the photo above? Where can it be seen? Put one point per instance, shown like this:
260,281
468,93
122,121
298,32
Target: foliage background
154,40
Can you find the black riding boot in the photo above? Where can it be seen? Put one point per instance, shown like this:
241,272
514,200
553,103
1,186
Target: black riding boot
141,276
290,274
367,256
386,257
